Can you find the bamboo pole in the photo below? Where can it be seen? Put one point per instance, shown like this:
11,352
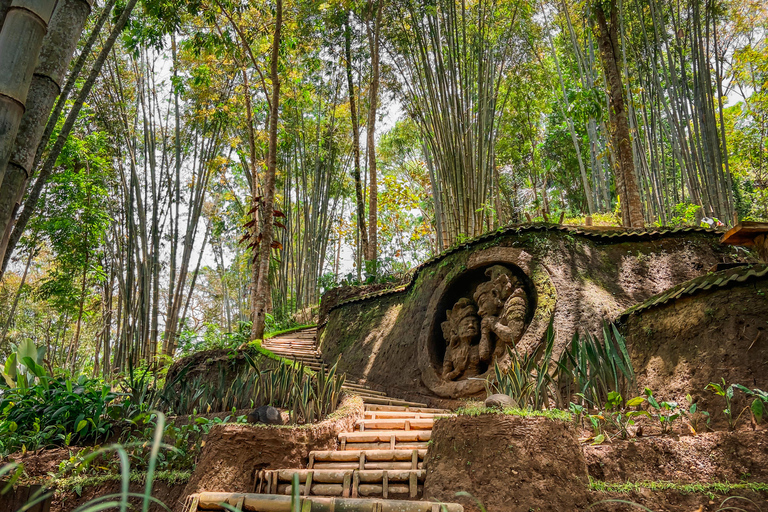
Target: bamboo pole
21,38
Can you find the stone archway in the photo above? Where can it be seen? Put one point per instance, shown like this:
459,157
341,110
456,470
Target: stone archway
501,299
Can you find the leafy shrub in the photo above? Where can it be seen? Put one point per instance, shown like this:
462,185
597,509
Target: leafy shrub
56,411
590,368
527,379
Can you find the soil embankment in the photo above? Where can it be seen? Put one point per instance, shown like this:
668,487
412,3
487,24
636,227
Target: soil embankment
506,462
718,332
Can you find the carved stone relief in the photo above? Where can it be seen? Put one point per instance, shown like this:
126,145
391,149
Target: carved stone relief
475,316
478,329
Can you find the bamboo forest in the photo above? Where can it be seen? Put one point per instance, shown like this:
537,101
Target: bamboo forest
260,211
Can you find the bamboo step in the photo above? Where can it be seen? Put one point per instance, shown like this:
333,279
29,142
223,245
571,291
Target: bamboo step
370,455
410,445
372,415
374,436
292,346
395,424
400,408
368,465
355,385
299,352
391,402
299,357
220,501
333,476
366,392
297,344
344,483
363,490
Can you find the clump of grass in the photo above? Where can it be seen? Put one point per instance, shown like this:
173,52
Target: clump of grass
589,369
309,396
477,409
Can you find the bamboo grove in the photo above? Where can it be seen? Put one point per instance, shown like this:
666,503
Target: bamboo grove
177,175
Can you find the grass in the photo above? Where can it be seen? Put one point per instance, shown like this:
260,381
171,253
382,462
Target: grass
476,409
709,489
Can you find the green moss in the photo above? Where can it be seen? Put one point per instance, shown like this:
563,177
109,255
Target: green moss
709,489
552,414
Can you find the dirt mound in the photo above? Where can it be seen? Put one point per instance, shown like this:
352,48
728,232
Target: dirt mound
508,463
234,453
714,457
681,346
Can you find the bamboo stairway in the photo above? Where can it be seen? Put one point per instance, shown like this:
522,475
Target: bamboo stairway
382,457
302,346
378,467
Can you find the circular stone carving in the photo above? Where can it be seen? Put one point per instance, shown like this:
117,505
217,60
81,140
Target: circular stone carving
473,317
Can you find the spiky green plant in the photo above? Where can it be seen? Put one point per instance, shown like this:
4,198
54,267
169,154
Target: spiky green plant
591,368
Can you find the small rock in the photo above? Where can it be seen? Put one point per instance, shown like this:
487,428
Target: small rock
500,401
265,414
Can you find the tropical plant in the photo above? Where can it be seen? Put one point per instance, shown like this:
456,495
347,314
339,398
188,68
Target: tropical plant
23,368
622,420
60,411
591,368
665,412
694,415
724,390
528,379
308,395
759,406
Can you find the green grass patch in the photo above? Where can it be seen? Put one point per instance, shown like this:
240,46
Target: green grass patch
709,489
472,409
80,482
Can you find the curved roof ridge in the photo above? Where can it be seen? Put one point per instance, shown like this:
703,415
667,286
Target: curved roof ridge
593,232
720,279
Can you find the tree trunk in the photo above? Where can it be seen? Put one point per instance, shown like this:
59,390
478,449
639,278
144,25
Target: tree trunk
626,180
265,249
11,314
373,42
362,232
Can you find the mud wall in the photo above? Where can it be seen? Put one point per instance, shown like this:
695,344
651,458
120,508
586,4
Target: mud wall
682,345
508,463
580,278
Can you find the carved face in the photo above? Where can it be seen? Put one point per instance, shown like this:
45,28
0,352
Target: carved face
468,327
488,303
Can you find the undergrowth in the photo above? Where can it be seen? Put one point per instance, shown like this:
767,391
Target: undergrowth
79,482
